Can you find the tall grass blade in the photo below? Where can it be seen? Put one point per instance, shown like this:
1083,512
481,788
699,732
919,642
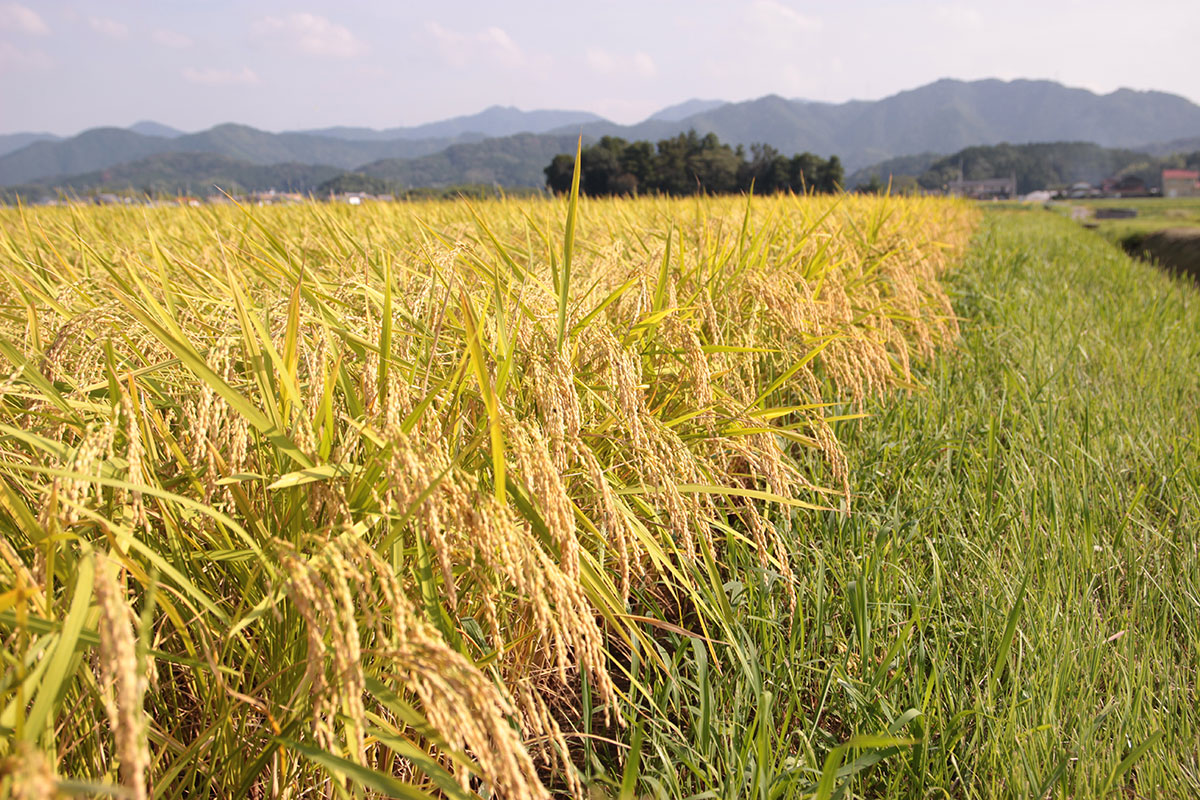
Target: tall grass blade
564,280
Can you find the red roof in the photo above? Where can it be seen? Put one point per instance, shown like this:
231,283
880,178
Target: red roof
1180,175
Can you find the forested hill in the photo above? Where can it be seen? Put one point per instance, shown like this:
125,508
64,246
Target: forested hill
193,173
492,122
101,148
1036,166
513,161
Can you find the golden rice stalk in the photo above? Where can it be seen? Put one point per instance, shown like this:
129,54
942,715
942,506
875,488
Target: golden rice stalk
123,684
30,774
341,580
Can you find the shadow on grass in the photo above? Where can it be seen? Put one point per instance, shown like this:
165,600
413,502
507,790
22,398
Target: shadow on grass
1176,250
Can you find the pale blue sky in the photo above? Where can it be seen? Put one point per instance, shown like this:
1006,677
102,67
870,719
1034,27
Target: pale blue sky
69,65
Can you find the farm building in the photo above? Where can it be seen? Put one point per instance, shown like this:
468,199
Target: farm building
1128,186
1181,183
1082,189
988,189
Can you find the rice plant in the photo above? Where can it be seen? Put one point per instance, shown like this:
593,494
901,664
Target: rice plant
401,500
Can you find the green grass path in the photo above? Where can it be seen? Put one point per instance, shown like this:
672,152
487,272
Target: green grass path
1018,591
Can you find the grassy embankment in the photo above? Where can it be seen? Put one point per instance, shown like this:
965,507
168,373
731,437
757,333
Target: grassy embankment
1165,231
1022,567
1153,214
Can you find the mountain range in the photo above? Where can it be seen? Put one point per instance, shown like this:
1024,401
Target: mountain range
941,117
99,148
197,173
15,141
492,122
509,146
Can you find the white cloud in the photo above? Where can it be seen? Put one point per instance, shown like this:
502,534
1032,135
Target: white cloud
605,63
212,76
600,60
16,17
644,65
172,39
313,35
15,57
109,27
773,12
493,43
502,43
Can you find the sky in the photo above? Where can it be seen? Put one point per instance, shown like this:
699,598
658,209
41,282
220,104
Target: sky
70,65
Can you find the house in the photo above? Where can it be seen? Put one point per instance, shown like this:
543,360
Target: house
1082,189
988,189
358,198
1181,183
1127,186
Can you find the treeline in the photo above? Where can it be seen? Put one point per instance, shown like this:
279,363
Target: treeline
1052,165
1039,165
691,164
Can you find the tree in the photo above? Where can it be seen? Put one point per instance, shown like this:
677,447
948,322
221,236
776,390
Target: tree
559,173
599,168
714,166
637,160
873,186
689,163
830,175
803,172
671,164
766,171
354,182
602,166
624,184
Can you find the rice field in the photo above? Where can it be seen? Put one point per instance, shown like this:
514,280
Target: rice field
608,498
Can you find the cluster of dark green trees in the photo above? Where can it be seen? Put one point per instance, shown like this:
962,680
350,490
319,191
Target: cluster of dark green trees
691,164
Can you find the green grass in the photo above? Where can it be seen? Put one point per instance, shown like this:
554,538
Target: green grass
1015,602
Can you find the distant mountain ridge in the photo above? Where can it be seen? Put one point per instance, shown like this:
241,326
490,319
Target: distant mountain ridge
196,173
511,161
942,117
15,141
151,128
494,121
37,156
1189,145
91,150
100,148
686,109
